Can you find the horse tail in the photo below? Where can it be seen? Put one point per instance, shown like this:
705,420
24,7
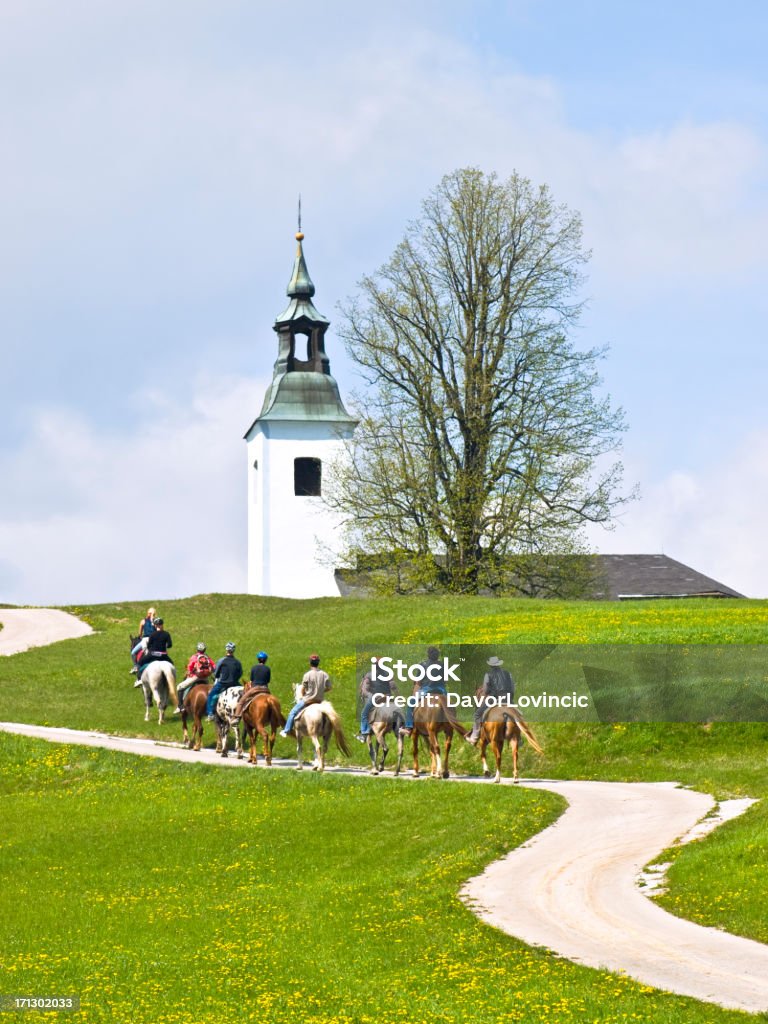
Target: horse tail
338,732
278,718
451,717
514,715
169,671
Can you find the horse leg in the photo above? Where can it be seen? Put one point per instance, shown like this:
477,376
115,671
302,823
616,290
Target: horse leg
299,752
147,701
239,740
483,748
435,766
373,750
498,749
184,730
385,751
400,750
514,744
415,752
318,762
448,742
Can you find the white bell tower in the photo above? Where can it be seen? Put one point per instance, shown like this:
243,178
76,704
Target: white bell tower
301,428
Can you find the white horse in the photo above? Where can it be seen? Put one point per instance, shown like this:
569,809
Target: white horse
158,681
225,720
319,722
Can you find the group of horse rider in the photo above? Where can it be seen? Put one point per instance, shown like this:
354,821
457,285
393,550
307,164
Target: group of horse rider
497,683
227,672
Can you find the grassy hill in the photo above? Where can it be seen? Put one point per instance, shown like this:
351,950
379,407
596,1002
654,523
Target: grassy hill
173,893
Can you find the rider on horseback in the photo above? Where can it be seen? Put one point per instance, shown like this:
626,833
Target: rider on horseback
314,686
198,670
228,673
497,683
433,683
158,645
146,629
369,687
260,677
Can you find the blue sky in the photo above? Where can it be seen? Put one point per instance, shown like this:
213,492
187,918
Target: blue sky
153,152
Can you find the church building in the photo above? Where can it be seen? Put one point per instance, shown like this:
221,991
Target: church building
301,429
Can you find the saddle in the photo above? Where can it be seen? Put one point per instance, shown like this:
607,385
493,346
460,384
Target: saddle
247,699
310,704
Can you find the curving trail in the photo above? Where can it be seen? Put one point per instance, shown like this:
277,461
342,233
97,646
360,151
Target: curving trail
573,887
35,627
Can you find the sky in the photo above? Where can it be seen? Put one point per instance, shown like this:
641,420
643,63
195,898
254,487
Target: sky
152,157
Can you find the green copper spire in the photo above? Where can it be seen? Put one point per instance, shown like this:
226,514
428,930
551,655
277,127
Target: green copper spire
300,291
300,284
302,387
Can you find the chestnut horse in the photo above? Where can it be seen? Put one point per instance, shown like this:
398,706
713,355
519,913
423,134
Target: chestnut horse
429,720
263,717
194,704
504,724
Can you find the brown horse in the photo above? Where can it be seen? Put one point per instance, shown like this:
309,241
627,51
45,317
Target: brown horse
194,704
429,720
263,717
504,724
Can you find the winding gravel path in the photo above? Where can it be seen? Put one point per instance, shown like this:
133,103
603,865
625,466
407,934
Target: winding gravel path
35,627
572,888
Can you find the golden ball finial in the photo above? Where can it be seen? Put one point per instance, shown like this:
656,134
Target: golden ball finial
299,236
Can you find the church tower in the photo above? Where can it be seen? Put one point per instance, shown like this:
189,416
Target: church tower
300,430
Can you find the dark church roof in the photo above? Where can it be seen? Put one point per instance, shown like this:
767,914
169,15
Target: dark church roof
620,577
605,578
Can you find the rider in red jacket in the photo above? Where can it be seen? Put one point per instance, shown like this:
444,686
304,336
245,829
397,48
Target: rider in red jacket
199,669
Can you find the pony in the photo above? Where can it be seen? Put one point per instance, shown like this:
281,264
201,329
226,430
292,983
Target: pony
225,720
158,680
431,718
500,725
262,717
384,719
318,722
194,704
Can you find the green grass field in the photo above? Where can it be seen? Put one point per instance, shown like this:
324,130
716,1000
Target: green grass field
182,893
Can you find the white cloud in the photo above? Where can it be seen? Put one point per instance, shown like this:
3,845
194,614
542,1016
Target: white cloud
713,521
155,512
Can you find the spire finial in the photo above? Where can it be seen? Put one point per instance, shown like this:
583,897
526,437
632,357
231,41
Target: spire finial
299,233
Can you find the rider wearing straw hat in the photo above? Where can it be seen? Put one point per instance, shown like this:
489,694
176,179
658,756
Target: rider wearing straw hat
497,683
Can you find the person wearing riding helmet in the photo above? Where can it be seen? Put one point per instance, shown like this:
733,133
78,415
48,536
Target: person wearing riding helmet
260,677
146,628
314,686
261,673
228,673
199,669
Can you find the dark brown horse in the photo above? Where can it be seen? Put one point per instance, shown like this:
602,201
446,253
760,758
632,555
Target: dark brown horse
429,720
263,717
504,724
194,705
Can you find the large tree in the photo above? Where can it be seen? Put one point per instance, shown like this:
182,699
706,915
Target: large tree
480,454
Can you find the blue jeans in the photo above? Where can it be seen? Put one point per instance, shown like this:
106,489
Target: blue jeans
213,696
365,714
135,651
299,706
429,688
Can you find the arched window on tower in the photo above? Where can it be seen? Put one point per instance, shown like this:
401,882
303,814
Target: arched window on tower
307,475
